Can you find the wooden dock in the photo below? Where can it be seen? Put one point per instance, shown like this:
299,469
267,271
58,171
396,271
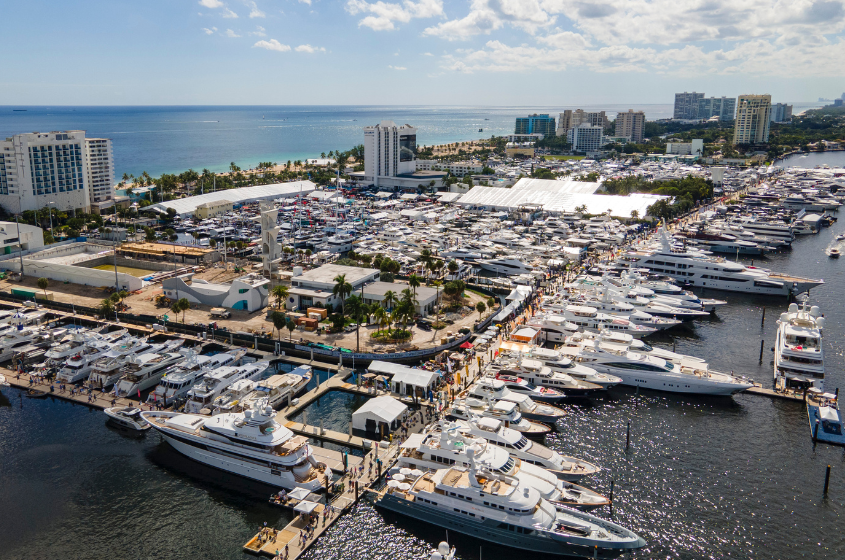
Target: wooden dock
291,541
772,394
97,399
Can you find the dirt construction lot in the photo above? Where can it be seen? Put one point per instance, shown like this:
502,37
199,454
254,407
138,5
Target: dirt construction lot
142,303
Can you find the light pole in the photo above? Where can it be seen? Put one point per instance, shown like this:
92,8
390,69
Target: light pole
50,211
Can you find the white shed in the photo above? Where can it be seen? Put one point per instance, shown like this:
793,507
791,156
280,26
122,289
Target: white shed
380,415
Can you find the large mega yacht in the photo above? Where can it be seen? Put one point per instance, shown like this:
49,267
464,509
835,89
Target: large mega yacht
701,271
502,510
651,372
144,371
249,444
799,356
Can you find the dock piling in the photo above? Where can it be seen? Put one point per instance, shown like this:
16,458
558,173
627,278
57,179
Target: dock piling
816,431
826,480
761,350
763,320
628,436
611,496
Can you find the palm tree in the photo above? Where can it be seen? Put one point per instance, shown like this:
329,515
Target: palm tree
184,305
106,307
480,307
342,288
389,299
453,267
279,292
291,326
414,282
356,308
380,316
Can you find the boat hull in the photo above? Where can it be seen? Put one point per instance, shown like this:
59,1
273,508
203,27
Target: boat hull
674,384
489,531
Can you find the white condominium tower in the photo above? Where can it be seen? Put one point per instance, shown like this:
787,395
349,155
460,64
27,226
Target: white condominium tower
631,125
100,169
54,168
752,119
389,150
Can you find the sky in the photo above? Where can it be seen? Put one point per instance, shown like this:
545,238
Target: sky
426,52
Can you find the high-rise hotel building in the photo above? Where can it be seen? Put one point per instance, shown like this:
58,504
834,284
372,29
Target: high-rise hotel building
389,151
57,169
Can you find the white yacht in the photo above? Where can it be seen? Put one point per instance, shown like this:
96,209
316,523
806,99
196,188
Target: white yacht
799,355
249,444
64,349
495,432
448,444
651,372
143,371
508,412
279,388
23,339
108,369
340,243
621,309
542,394
463,254
232,398
701,271
126,417
180,378
202,395
501,510
560,363
533,371
504,266
587,318
493,390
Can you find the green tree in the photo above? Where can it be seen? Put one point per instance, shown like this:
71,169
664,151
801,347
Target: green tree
414,282
355,307
382,317
342,289
183,305
280,292
491,302
480,307
42,285
280,321
106,308
291,326
453,267
389,299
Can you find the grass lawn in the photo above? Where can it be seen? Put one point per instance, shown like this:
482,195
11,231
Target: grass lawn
563,157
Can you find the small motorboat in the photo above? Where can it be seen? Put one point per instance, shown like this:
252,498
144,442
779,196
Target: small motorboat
36,394
3,382
840,237
127,417
834,253
825,418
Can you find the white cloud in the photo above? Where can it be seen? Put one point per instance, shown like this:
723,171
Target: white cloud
272,45
788,38
305,2
386,13
231,34
209,31
486,16
254,12
211,3
427,54
229,14
309,49
397,67
259,32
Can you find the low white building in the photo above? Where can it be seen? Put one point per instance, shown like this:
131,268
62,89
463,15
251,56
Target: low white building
406,380
586,138
249,293
456,168
694,148
374,293
380,415
315,286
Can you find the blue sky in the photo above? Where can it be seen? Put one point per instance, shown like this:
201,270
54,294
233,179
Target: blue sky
489,52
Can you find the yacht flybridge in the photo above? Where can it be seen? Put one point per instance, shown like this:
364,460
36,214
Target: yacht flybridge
249,444
799,355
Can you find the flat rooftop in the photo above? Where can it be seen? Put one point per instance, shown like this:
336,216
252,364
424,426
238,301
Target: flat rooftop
163,249
327,273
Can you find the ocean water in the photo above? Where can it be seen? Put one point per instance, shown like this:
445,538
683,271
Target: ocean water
704,477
